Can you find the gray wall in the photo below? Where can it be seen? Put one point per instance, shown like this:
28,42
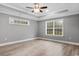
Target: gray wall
71,29
37,29
16,32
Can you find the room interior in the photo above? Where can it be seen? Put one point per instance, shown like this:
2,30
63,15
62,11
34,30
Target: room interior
39,29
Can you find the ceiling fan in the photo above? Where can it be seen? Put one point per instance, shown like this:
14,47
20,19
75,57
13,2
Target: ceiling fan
37,8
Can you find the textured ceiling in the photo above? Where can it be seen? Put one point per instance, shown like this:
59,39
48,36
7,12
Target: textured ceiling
52,9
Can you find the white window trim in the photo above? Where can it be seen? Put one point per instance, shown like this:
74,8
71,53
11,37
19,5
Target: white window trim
53,28
11,21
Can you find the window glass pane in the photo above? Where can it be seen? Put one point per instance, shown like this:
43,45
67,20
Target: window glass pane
58,23
50,24
49,31
58,31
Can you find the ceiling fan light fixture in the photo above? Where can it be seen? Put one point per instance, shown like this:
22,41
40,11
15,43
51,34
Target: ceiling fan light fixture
36,10
47,11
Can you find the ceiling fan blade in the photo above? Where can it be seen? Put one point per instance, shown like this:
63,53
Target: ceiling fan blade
32,10
30,7
44,7
41,11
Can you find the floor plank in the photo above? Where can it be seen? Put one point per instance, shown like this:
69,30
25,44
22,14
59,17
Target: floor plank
39,48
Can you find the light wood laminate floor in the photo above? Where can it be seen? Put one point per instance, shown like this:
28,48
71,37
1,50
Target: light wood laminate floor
39,48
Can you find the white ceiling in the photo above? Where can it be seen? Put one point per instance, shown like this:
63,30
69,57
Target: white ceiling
73,8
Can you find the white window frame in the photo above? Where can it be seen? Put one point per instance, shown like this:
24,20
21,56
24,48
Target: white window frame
12,19
54,28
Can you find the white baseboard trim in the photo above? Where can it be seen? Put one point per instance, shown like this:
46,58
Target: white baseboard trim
73,43
14,42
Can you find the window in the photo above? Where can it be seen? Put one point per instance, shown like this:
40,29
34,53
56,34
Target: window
18,21
54,27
